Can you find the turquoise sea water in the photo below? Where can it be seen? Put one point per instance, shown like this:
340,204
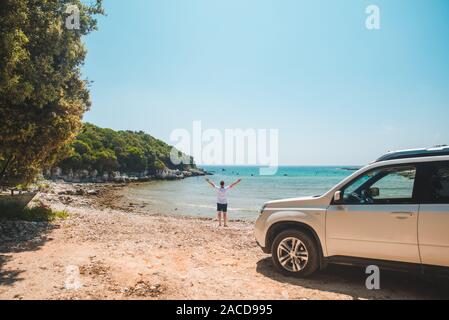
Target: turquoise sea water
194,197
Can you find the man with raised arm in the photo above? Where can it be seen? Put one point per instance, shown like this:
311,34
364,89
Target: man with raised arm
222,199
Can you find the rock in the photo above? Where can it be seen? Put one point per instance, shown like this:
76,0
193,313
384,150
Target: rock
92,192
144,289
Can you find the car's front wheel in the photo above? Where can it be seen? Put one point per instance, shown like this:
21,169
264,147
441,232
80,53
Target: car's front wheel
295,253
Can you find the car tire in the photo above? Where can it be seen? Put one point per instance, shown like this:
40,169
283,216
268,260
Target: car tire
303,261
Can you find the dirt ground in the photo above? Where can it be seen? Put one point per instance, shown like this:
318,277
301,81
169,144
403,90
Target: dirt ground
110,250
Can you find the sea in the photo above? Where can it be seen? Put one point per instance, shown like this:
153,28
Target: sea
194,197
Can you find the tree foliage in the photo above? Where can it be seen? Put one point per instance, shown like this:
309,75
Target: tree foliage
106,150
42,93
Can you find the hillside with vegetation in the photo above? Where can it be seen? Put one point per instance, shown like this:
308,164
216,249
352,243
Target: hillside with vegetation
106,150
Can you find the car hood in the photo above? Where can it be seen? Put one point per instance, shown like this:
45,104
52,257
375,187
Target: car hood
295,202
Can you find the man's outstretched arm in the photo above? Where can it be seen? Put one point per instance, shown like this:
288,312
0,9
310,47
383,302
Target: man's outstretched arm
211,183
235,183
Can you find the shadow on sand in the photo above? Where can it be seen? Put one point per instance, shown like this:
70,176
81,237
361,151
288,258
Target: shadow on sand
8,277
350,281
19,236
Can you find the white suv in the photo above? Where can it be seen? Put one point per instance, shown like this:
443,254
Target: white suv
393,213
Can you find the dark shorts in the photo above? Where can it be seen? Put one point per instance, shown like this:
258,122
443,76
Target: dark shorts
222,207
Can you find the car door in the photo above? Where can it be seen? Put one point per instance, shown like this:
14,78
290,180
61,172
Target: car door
433,225
377,217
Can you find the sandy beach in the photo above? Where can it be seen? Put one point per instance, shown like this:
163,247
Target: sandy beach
108,248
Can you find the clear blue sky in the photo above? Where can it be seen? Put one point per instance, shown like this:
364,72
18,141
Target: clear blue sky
337,92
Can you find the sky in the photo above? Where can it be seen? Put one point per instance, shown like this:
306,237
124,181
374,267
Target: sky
338,93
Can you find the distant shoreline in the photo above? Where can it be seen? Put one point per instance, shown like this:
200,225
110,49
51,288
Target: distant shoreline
84,176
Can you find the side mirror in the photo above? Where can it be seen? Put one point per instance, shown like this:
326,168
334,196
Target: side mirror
374,192
338,197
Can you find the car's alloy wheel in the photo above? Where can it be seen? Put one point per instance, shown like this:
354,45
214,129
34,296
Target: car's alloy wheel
292,254
295,253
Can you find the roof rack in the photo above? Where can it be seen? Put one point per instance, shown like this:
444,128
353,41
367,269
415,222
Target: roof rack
415,153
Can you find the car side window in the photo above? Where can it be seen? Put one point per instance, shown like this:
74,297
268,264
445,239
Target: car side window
396,185
391,185
439,184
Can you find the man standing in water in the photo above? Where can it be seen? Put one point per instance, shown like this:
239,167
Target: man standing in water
222,199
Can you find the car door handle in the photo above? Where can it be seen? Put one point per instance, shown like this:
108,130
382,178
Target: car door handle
402,214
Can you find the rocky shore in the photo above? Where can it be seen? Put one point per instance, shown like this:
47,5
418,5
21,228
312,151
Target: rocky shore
106,250
86,176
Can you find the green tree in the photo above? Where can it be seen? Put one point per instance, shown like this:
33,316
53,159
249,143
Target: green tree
74,162
42,94
81,147
106,161
135,160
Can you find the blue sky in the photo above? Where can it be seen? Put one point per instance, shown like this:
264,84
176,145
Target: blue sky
337,92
